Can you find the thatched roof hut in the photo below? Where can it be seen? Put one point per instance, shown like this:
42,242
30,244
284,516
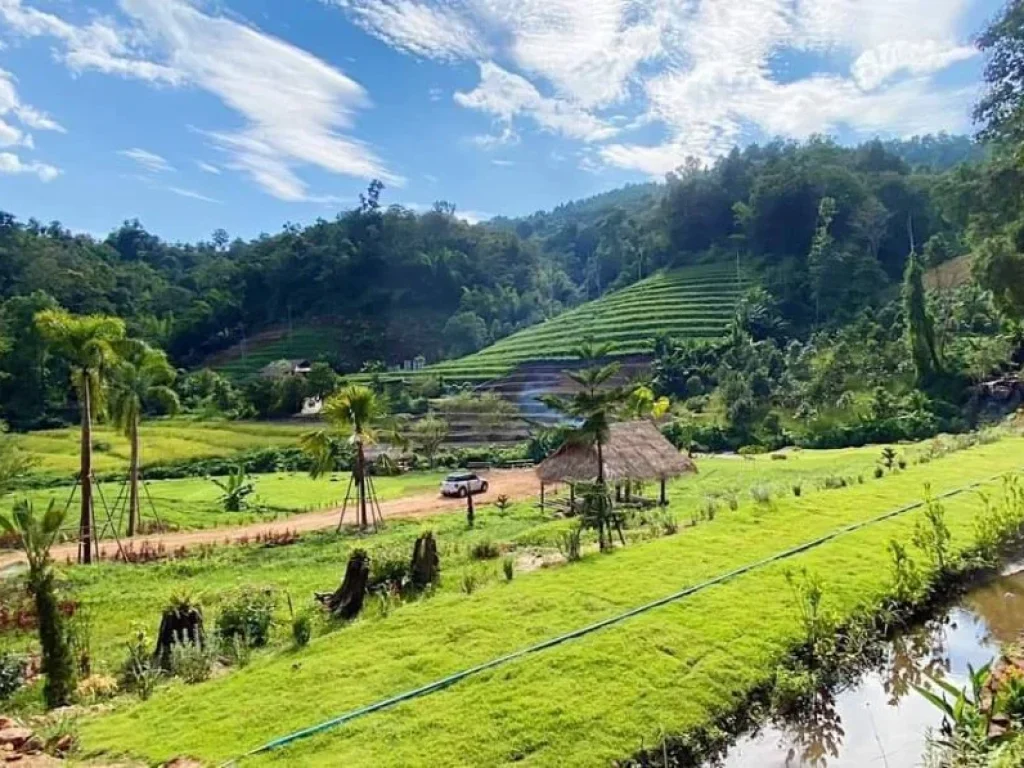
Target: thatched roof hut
635,450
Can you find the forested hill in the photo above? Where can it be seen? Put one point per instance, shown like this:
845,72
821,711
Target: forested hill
401,284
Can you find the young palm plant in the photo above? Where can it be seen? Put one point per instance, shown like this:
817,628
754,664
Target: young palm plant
36,536
235,490
86,342
356,415
142,376
594,405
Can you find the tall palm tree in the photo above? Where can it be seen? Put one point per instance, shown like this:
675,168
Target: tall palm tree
141,376
86,342
593,406
355,414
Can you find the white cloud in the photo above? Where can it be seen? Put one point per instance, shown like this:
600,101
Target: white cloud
294,106
99,45
149,161
420,28
702,70
875,66
12,164
506,95
208,167
503,163
192,194
12,107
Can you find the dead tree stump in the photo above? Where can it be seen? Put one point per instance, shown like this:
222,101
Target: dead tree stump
347,600
426,565
179,625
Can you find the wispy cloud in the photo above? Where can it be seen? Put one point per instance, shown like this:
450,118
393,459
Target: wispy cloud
192,194
208,167
13,108
296,108
12,164
502,163
149,161
701,70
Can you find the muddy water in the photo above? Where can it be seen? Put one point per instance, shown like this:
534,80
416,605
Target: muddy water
882,721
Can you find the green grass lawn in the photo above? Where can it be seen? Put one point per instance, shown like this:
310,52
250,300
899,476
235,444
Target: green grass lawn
583,703
56,451
193,503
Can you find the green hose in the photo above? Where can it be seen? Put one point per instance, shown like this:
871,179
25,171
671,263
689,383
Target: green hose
444,682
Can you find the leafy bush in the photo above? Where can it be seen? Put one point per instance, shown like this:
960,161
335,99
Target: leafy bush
468,581
797,489
191,662
12,674
508,566
485,550
762,494
570,544
302,630
879,473
248,614
139,674
388,568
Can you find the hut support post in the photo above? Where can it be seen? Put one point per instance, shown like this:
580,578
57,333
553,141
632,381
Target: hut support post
663,499
542,498
572,498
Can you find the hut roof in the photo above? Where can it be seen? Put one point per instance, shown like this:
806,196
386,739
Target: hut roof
635,450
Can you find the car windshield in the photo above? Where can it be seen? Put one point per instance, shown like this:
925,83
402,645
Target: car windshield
459,478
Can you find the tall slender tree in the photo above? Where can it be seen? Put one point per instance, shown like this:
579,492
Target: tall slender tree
141,376
36,535
358,415
86,342
920,325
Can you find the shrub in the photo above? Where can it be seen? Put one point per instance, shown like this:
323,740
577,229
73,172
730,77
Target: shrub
388,568
797,489
502,502
732,500
469,581
762,494
191,662
248,614
708,510
484,550
668,522
139,673
12,674
97,688
237,651
508,567
879,473
302,630
569,544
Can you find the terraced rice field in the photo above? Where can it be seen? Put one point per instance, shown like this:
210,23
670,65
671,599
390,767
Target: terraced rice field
302,343
694,302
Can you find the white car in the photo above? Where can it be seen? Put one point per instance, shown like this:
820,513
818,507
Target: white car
463,484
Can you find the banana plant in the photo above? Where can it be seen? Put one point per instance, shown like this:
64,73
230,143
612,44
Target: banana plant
963,712
236,489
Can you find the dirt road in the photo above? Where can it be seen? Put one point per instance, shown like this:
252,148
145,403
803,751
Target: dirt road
517,484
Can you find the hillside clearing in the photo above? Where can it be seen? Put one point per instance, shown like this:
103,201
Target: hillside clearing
586,702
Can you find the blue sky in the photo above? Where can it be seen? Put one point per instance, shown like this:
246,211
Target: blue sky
245,114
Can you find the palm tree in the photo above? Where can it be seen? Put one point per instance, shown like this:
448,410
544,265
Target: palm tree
36,537
140,377
86,342
595,403
355,414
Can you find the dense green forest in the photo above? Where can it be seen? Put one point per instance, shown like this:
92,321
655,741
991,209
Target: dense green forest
403,284
828,233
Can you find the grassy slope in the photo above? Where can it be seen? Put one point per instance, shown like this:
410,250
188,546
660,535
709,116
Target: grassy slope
192,503
692,302
584,703
304,343
56,450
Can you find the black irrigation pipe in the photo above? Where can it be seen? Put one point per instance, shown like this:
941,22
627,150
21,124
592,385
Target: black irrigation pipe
444,682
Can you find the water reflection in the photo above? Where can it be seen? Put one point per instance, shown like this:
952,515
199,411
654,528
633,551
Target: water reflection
880,720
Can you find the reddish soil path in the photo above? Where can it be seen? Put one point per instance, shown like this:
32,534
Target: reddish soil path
517,484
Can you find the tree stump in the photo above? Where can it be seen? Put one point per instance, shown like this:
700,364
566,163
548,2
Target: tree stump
347,600
179,625
426,565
